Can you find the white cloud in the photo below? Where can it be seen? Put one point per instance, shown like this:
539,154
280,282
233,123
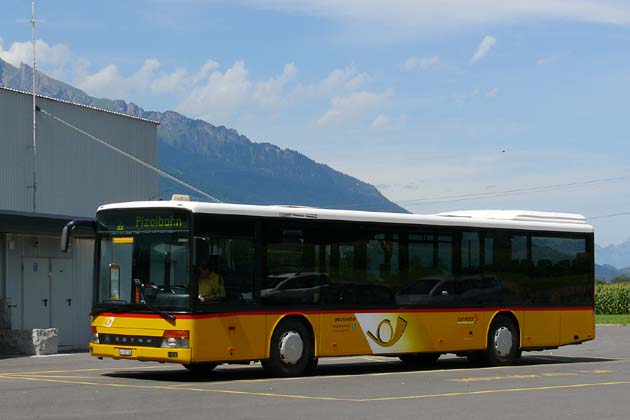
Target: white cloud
350,108
347,78
109,82
439,14
484,48
208,66
106,82
142,78
492,92
209,93
544,60
413,63
231,92
336,78
271,92
51,57
170,82
220,96
181,80
380,121
332,82
357,81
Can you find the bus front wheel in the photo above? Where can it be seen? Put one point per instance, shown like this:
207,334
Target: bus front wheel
291,351
503,342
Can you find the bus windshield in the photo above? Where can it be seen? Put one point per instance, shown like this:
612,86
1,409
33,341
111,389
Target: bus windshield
161,263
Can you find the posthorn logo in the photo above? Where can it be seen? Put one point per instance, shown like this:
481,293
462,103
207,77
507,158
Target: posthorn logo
387,335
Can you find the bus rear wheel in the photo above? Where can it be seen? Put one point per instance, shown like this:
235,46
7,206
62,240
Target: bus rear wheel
200,368
503,342
291,351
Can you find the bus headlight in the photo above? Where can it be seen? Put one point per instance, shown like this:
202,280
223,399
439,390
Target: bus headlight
176,339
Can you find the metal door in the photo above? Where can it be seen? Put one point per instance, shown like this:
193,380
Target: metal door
35,293
61,300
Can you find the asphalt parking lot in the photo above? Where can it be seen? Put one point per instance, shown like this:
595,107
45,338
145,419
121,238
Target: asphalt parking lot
588,381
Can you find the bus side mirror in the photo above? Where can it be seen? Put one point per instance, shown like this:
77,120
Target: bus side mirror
65,238
87,229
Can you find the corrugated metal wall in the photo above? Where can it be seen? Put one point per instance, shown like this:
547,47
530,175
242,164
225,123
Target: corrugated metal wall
15,152
22,246
75,174
82,255
5,321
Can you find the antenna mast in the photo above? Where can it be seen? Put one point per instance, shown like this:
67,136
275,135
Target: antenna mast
34,115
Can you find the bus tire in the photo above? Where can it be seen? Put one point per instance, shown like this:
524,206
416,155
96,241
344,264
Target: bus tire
419,359
291,351
503,342
313,365
200,368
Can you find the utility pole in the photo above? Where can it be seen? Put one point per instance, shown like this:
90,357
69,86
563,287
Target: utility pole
34,115
32,21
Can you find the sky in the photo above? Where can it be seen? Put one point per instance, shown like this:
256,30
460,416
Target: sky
441,104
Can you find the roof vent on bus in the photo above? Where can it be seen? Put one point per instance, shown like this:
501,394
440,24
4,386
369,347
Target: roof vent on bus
518,215
180,197
293,206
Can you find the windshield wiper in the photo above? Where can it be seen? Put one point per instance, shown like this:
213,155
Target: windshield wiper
166,316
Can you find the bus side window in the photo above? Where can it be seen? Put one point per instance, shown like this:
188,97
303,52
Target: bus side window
557,270
470,251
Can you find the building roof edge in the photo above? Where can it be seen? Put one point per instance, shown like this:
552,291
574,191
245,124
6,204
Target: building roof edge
50,98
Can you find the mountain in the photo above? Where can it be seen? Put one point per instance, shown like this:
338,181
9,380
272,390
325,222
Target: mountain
615,255
21,79
222,162
607,272
609,258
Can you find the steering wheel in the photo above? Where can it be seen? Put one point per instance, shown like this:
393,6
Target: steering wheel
182,289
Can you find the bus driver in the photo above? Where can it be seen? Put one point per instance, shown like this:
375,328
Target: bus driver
211,287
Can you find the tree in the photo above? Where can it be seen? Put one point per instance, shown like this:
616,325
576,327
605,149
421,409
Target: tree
622,278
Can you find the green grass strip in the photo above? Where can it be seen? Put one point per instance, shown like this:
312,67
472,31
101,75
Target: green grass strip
613,319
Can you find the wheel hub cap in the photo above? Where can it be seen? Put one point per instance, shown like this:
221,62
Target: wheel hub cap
291,347
503,341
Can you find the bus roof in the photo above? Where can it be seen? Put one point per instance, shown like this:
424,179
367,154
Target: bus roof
506,219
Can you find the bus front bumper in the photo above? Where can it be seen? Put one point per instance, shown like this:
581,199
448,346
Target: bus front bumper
154,354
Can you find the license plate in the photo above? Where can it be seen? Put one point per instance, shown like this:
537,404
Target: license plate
124,352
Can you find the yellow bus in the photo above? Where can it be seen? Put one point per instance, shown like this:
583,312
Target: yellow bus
202,284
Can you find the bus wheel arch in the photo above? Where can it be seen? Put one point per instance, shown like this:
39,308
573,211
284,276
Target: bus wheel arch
503,340
291,347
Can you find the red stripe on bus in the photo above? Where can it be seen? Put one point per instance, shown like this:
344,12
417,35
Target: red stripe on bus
360,311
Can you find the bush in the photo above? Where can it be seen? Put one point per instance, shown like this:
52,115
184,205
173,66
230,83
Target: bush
623,278
612,299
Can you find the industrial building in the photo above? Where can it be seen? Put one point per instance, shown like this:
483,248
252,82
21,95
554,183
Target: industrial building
40,287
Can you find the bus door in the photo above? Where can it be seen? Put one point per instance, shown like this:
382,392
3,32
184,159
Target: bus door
469,289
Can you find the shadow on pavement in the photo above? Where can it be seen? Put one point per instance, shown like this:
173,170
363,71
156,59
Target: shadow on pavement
359,367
